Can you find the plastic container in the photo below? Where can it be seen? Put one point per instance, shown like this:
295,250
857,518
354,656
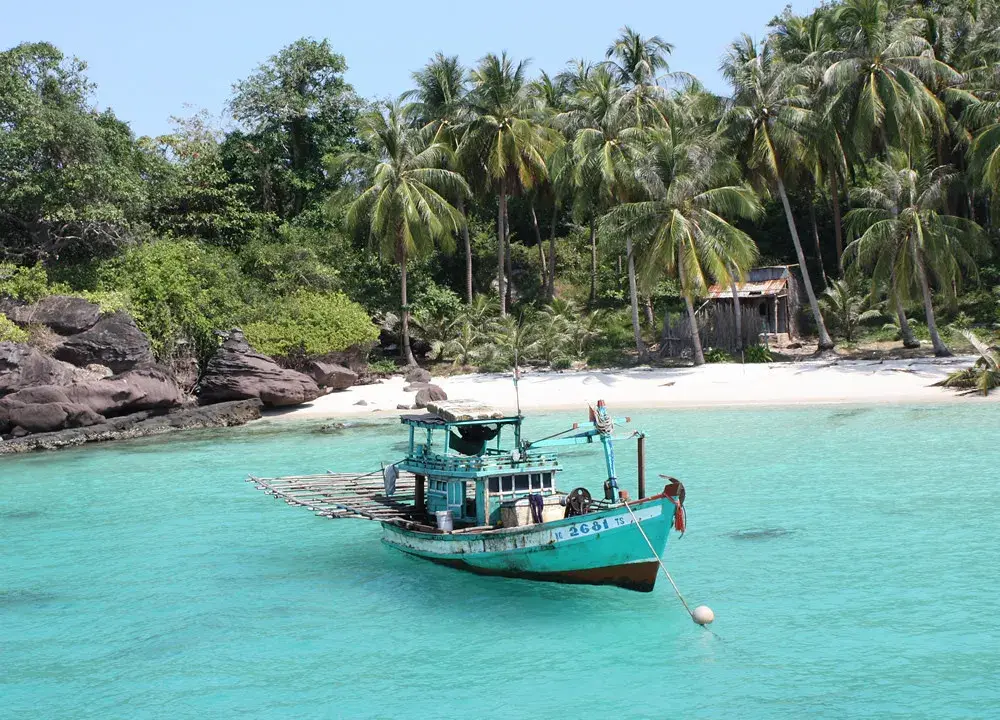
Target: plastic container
445,521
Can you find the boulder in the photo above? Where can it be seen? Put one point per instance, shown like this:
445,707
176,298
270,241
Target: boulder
66,315
145,388
429,394
335,377
114,341
415,387
237,372
417,375
22,366
44,409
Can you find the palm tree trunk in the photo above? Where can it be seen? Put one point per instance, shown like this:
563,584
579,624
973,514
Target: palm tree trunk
633,296
405,311
551,291
838,227
593,261
737,313
647,305
699,354
940,349
541,249
825,343
904,327
510,267
819,250
468,250
501,244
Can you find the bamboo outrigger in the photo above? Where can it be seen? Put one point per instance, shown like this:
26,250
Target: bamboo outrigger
464,497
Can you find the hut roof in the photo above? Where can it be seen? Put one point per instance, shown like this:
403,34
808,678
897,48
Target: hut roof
761,282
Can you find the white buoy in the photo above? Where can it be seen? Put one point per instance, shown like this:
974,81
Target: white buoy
703,615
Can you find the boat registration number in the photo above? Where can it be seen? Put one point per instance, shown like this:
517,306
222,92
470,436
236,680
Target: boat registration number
581,529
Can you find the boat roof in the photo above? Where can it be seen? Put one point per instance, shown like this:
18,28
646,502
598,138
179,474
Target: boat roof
459,412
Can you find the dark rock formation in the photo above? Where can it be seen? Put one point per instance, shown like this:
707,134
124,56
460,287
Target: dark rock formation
66,315
335,377
237,372
417,375
431,393
22,366
44,409
415,387
114,341
142,424
145,388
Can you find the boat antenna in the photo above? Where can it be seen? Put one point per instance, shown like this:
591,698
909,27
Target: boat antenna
517,375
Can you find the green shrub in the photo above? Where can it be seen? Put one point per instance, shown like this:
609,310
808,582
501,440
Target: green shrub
561,363
382,367
715,355
26,283
312,323
9,332
757,354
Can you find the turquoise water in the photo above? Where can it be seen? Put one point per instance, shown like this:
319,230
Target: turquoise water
852,557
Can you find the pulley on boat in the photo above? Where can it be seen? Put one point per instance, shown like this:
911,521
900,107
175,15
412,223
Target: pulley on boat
578,502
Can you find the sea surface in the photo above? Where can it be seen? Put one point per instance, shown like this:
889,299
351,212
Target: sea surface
851,555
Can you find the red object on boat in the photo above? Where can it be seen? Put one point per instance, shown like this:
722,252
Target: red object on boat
675,493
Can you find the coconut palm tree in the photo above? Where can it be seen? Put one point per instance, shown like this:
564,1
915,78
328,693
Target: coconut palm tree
907,240
405,206
767,121
684,227
440,106
606,150
638,63
504,137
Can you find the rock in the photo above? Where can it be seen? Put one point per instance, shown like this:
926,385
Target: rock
22,366
431,393
92,372
415,387
361,402
44,409
417,375
237,372
401,406
330,375
141,424
145,388
114,341
66,315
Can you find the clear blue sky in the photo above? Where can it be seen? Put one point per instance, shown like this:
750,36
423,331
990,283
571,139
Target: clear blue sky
149,59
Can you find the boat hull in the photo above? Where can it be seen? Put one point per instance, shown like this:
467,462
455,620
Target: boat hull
600,548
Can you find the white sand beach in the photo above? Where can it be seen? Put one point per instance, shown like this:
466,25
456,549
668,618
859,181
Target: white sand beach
806,382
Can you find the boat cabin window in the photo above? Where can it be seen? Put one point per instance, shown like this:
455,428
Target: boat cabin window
520,483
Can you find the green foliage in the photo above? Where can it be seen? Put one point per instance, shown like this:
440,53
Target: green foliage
717,355
757,354
312,323
843,309
9,332
24,283
984,376
382,367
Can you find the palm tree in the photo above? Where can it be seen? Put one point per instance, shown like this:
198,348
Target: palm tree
405,205
504,138
906,240
637,63
767,120
440,96
684,228
606,150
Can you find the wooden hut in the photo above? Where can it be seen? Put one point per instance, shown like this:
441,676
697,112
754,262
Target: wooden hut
770,293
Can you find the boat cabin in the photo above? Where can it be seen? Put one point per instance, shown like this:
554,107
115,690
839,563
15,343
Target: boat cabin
469,459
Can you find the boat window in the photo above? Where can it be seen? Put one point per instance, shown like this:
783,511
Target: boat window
494,484
508,483
536,481
520,482
547,480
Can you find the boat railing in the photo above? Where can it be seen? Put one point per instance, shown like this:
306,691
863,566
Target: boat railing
484,463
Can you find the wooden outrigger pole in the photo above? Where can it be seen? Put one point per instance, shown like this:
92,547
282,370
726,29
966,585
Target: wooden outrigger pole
344,495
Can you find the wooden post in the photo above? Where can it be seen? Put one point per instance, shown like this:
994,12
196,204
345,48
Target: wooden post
418,494
642,466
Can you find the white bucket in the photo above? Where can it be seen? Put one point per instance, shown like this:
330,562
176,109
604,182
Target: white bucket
445,521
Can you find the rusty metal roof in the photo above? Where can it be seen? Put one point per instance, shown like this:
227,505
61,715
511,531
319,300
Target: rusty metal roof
766,288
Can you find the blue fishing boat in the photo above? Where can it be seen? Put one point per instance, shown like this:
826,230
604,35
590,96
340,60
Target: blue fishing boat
473,494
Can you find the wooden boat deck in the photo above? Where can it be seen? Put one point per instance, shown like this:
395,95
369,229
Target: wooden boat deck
343,495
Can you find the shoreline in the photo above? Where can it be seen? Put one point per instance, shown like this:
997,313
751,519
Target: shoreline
803,383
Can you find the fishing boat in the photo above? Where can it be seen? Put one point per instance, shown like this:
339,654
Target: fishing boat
473,494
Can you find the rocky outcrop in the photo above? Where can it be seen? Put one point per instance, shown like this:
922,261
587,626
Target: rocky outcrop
142,424
114,341
66,315
44,409
237,372
329,375
417,375
429,394
22,366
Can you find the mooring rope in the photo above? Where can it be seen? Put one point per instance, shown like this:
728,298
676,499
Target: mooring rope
662,566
